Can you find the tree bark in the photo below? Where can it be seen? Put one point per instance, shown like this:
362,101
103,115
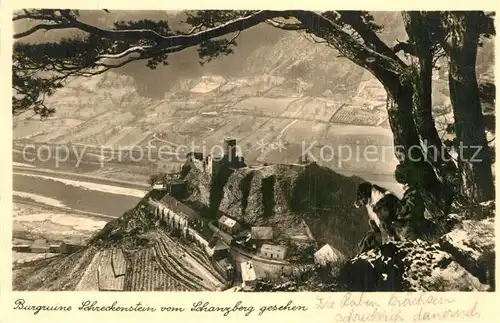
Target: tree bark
399,109
418,26
474,158
413,170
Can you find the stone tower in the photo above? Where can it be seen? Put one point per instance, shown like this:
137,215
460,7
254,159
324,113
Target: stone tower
230,149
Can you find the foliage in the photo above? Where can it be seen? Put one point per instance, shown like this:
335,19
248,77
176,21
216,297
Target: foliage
310,278
157,178
297,251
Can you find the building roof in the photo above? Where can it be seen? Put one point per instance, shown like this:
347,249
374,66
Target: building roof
176,182
273,248
261,233
227,221
180,208
213,241
220,246
327,254
224,262
247,271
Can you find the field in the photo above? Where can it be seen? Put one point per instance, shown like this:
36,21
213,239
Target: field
259,106
126,136
108,278
46,130
355,115
294,108
23,257
247,126
93,132
320,109
89,280
124,119
118,262
147,275
33,222
242,108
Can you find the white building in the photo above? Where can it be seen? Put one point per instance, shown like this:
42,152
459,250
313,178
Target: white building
273,251
159,186
248,276
327,255
228,225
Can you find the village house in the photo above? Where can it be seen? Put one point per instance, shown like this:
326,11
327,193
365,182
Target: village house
327,255
273,251
40,246
225,268
248,276
21,248
174,187
65,248
228,225
221,258
220,250
159,186
259,235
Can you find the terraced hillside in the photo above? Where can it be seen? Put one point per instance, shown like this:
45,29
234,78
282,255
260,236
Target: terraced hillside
130,253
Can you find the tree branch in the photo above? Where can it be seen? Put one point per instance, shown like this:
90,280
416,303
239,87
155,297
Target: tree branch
43,27
136,49
284,25
385,68
353,19
321,26
378,59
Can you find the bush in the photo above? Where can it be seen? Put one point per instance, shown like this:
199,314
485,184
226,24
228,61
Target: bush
160,177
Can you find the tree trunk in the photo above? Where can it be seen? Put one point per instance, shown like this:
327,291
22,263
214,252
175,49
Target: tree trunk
399,109
417,25
474,158
413,168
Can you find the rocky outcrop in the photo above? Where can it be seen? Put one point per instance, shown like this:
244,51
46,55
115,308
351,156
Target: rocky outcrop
285,196
408,266
254,195
198,182
472,243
